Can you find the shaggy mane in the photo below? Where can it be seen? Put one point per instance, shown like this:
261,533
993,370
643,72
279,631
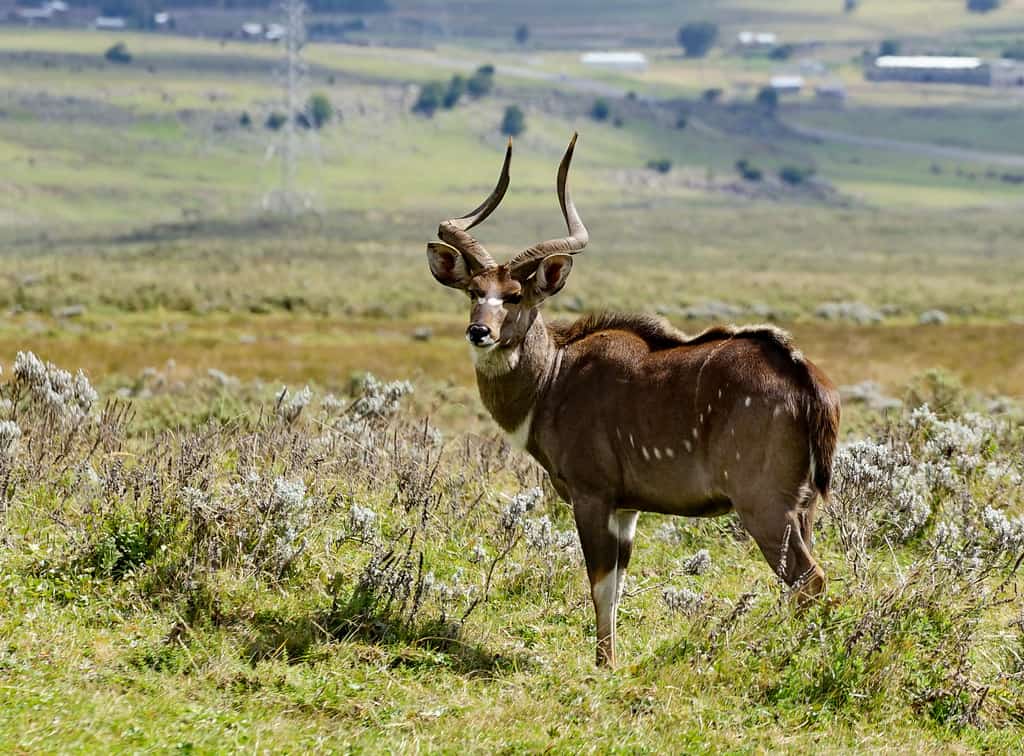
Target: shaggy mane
659,334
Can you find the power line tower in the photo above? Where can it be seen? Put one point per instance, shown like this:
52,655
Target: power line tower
287,198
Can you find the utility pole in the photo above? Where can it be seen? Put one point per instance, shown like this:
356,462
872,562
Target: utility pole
287,198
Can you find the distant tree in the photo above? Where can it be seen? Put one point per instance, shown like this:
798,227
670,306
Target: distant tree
768,98
889,47
682,122
481,82
697,39
245,121
782,52
795,174
456,88
662,165
849,6
1015,51
118,53
430,99
600,110
522,34
275,121
748,170
320,110
712,95
514,121
982,6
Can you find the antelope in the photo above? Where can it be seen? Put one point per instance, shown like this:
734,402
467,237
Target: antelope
628,415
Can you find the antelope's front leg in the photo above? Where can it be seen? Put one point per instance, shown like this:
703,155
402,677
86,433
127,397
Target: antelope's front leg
599,531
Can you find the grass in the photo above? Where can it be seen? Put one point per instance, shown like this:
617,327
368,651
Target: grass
138,615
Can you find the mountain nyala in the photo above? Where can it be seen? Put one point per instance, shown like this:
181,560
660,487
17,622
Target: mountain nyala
628,415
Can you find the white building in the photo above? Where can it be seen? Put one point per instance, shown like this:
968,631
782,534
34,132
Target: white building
110,23
787,84
622,61
930,68
757,39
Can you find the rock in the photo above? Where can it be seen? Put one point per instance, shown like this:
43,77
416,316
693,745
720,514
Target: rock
712,310
869,393
71,311
423,333
856,312
933,317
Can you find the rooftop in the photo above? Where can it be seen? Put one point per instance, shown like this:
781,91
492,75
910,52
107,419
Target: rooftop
928,61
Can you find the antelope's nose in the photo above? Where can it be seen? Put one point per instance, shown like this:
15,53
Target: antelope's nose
478,334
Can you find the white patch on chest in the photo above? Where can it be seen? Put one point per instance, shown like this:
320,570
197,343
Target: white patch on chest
520,436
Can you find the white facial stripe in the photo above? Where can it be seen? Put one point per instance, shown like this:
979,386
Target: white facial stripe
493,301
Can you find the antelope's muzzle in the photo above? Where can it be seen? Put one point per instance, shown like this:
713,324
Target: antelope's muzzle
479,335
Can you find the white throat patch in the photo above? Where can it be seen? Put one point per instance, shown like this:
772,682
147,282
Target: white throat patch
493,360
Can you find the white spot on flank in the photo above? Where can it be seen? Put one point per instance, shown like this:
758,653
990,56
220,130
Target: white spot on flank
657,453
695,434
747,402
670,452
702,418
777,411
737,456
727,475
719,393
643,450
618,433
631,441
688,445
709,409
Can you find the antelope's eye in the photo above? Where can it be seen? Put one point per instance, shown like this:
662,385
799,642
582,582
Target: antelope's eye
513,299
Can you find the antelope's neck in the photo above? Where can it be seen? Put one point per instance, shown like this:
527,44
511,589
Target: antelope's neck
511,380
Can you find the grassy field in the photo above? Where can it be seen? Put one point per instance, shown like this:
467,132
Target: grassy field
202,566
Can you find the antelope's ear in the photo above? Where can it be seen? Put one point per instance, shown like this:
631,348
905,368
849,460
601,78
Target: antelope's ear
448,265
552,273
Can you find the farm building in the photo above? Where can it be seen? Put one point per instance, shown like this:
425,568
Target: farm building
757,40
622,61
930,69
110,23
787,84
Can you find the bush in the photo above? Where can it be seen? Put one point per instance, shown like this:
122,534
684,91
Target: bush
245,120
522,34
600,110
795,174
849,6
430,99
320,110
782,52
662,165
456,88
275,120
481,82
889,47
748,170
513,123
118,53
768,98
697,39
982,6
681,122
712,95
1015,51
